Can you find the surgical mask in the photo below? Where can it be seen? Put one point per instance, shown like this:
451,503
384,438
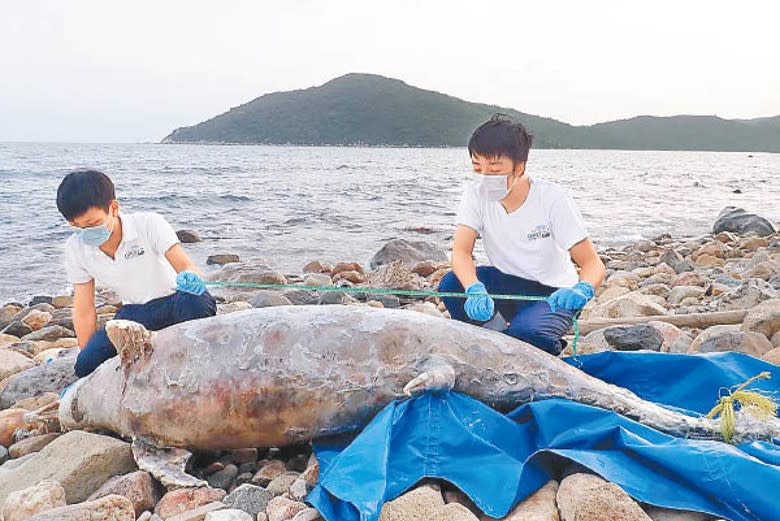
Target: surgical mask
491,187
95,235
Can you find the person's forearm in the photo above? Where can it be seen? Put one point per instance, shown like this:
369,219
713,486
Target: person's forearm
464,268
593,272
85,324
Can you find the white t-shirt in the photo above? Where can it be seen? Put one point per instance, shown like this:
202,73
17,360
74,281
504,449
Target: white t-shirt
532,242
139,271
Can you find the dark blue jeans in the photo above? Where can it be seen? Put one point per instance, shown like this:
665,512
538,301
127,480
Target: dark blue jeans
531,321
154,315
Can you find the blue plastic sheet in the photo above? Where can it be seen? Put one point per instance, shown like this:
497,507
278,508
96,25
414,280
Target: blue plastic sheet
498,460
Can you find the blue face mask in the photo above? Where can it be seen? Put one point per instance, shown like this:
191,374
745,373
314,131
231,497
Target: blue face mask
95,235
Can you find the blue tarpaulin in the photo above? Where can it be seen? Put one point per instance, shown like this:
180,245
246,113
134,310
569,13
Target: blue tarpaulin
498,460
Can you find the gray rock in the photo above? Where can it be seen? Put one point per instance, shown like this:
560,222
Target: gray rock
747,295
633,338
671,258
335,297
737,220
188,236
78,460
764,318
281,484
50,377
41,299
63,317
17,328
775,282
301,297
268,298
680,293
388,301
685,265
249,498
224,478
3,454
222,259
49,333
409,252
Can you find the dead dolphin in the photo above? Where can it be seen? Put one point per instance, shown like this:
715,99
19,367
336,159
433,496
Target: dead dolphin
274,376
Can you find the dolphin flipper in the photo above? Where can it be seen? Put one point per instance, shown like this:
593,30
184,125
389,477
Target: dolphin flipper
437,376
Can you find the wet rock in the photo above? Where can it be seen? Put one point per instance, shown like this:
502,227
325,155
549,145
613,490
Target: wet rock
51,377
632,304
80,461
667,514
17,328
764,318
36,319
737,220
138,487
43,496
267,298
228,514
540,506
188,236
249,498
281,484
680,293
110,508
585,497
223,478
747,295
633,338
408,252
281,508
730,338
317,267
31,444
12,363
318,279
222,258
186,500
49,333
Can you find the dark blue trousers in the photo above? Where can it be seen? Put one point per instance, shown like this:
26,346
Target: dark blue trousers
531,321
154,315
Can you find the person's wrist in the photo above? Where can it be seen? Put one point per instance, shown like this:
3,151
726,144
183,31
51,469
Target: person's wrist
586,288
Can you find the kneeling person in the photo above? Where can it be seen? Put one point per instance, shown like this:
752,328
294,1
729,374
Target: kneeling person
531,230
136,254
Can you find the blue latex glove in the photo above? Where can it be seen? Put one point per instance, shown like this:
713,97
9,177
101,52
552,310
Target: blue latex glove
190,282
479,306
572,298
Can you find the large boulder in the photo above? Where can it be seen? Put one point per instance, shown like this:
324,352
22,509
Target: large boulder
586,497
80,461
51,377
764,318
730,338
737,220
43,496
408,252
110,508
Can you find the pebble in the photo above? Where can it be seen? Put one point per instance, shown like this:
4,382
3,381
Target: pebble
249,498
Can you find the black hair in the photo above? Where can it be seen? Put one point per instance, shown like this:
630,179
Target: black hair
82,190
501,136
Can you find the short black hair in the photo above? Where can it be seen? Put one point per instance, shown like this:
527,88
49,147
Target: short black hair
82,190
501,136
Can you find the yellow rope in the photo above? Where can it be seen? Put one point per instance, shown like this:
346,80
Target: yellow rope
755,403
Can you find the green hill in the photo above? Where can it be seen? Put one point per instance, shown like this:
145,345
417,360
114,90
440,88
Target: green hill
365,109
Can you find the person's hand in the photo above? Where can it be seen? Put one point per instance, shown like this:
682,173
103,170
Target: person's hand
573,298
479,306
190,282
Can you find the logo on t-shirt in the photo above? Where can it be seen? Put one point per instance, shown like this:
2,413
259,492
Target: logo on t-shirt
540,232
135,251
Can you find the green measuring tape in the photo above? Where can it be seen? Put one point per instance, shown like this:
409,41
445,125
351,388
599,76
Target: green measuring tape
390,291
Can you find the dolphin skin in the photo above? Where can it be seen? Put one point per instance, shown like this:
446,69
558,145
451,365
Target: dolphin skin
281,375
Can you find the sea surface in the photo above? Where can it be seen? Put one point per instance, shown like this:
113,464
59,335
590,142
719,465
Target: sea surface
291,205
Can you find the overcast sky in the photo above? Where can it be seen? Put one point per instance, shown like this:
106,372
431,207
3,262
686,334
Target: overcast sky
103,71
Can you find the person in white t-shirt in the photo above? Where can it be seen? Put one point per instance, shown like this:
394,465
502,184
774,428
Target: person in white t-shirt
531,231
138,255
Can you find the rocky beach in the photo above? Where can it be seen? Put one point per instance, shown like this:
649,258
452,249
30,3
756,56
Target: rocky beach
731,275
